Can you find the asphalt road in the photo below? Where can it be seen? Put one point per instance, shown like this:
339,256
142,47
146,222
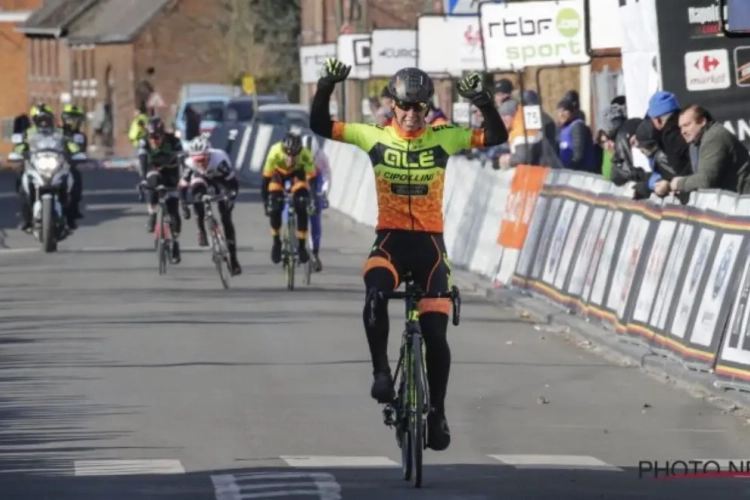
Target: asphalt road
118,384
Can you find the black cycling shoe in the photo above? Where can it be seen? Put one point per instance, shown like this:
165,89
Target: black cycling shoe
382,388
236,268
438,433
176,257
276,251
151,223
318,264
25,226
302,252
72,223
202,239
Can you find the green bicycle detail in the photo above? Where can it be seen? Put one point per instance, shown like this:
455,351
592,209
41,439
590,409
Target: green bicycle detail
408,412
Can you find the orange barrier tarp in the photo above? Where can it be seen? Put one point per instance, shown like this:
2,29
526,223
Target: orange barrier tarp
519,207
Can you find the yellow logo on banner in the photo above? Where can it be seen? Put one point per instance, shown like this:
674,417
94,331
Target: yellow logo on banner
248,84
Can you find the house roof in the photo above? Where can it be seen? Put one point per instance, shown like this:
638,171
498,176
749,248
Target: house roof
113,21
54,16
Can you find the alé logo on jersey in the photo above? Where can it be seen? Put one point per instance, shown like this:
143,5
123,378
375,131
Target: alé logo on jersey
405,159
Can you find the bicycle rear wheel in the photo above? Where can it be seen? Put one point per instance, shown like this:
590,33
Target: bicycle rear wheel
416,406
219,253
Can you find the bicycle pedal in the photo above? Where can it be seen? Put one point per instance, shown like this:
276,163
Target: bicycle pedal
389,416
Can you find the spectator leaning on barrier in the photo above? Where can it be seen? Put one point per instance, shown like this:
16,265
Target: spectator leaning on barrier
661,171
576,143
384,115
721,161
525,145
615,139
435,116
664,111
503,91
549,127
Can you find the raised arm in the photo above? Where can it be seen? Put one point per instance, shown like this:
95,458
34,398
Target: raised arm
493,129
334,71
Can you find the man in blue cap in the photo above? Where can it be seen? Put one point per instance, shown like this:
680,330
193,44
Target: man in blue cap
664,112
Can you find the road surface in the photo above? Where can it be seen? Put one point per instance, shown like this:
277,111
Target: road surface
118,384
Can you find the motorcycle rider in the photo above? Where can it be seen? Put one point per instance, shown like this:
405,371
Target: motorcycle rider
137,131
207,167
43,122
73,118
159,157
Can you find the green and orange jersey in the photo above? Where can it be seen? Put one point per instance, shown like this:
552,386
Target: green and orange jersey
409,169
276,163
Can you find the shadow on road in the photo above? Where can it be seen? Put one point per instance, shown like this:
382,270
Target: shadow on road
42,429
441,482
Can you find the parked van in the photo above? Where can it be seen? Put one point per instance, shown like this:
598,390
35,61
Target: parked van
207,99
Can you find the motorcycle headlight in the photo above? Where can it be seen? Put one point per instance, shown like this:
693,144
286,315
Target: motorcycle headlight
47,165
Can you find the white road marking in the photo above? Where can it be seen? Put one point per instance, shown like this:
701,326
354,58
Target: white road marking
127,467
555,462
321,461
18,250
275,485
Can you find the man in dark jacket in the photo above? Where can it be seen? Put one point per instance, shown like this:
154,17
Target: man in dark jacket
576,144
661,171
721,160
664,111
620,131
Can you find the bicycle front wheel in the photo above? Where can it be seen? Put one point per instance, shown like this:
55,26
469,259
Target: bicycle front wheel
416,406
162,244
219,253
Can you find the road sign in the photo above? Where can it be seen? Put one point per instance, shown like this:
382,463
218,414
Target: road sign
248,85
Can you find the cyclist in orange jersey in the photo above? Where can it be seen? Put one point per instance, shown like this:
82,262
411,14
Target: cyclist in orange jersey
409,160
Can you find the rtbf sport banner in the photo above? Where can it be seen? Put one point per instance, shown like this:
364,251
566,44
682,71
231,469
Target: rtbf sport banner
701,66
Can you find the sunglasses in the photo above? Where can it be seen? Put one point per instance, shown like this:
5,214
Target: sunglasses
406,106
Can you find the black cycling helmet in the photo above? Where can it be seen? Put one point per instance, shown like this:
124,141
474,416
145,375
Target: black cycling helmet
44,120
155,127
292,144
411,86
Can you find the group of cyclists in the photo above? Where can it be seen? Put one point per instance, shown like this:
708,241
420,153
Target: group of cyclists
409,232
162,161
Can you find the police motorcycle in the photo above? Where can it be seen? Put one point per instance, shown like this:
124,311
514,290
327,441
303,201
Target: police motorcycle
47,173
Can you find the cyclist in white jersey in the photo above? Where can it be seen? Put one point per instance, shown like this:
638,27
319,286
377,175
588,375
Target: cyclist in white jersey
206,168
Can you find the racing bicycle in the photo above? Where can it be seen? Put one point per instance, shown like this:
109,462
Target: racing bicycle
219,249
289,257
408,411
163,240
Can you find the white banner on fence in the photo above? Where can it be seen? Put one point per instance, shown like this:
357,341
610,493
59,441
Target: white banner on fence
311,59
392,50
449,45
354,50
518,35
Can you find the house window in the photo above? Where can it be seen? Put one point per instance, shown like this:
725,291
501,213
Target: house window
7,126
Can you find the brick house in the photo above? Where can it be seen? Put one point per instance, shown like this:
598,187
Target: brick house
97,52
13,60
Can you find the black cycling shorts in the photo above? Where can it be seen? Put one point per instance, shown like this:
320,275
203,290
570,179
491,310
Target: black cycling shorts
419,255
